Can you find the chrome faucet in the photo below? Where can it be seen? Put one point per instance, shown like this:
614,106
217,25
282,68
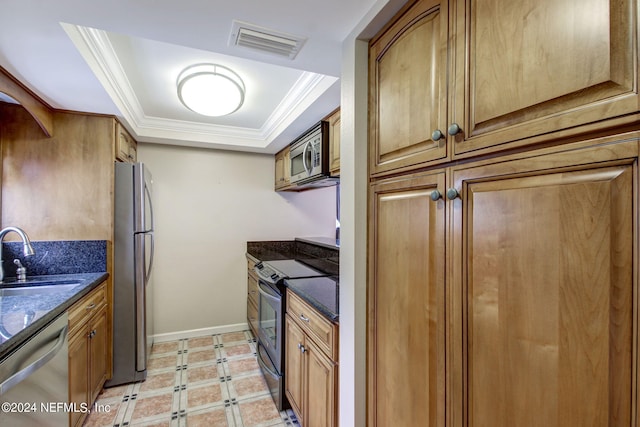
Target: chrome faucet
27,249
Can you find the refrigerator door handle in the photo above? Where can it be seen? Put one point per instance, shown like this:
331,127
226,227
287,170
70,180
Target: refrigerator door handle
140,284
147,194
148,273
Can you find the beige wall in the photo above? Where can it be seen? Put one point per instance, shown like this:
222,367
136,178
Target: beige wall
207,205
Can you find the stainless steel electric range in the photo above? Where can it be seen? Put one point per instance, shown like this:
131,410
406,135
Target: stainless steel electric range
271,311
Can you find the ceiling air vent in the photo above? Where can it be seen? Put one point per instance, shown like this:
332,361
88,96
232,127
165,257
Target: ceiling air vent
265,40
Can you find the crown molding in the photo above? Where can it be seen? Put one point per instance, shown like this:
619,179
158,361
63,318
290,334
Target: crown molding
97,50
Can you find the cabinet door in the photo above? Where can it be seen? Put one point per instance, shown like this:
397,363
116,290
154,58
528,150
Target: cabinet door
279,169
545,290
287,167
407,72
282,169
334,143
320,410
531,67
78,369
98,353
406,303
294,366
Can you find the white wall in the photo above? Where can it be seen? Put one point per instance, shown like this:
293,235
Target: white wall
353,211
207,205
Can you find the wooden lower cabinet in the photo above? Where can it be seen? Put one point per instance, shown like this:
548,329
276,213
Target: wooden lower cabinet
407,305
294,366
311,377
534,263
88,350
78,376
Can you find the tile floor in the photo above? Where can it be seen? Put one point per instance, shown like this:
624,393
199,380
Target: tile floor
207,381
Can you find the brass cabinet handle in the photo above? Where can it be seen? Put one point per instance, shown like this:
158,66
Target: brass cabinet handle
437,135
454,129
452,193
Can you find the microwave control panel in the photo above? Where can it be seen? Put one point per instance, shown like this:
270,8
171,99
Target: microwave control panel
316,145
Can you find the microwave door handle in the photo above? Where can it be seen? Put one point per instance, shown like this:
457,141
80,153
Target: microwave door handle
307,146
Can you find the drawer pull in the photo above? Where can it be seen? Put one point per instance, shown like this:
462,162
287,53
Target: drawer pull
304,319
91,306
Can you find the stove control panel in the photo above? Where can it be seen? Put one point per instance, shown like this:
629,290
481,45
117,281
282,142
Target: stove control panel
266,273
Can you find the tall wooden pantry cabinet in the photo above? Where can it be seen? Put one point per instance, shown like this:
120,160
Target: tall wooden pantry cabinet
503,215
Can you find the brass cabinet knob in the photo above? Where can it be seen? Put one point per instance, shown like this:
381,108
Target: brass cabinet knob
452,193
437,135
454,129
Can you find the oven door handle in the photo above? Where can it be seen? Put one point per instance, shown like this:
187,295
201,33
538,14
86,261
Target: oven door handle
265,367
267,295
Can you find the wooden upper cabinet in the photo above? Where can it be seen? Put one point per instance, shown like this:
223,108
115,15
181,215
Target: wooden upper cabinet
537,70
545,292
498,75
126,146
283,170
407,88
334,142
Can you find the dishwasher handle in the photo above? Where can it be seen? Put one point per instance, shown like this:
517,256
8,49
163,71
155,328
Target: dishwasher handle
23,374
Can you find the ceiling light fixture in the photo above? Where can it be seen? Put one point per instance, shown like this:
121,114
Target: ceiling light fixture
210,89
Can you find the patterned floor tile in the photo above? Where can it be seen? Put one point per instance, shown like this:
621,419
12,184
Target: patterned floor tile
259,412
210,381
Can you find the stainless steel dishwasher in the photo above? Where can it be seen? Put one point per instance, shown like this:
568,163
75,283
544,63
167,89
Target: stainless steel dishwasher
34,379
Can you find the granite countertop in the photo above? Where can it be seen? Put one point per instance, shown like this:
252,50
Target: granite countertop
320,253
322,293
44,307
327,242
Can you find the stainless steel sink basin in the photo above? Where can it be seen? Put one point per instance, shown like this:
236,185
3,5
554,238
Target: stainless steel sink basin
42,288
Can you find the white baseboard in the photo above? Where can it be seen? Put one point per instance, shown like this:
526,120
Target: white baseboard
174,336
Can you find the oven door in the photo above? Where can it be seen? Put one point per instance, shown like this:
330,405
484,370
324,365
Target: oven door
270,323
274,380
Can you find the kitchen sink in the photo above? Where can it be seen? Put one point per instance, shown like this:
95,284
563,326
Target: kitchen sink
38,288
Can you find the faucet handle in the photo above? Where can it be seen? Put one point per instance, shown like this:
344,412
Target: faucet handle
21,271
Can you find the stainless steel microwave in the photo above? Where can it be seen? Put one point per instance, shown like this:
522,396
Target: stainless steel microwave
310,158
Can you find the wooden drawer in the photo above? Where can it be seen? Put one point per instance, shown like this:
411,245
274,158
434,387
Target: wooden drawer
82,310
319,328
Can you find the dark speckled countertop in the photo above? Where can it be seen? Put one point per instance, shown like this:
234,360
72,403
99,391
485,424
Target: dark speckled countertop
43,307
321,293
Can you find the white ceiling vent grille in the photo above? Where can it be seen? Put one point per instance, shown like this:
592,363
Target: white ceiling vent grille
251,36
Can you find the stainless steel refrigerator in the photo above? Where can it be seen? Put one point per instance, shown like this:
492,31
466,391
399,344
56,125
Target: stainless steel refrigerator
133,260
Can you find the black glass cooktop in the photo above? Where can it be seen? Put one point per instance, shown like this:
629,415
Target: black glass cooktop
274,271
